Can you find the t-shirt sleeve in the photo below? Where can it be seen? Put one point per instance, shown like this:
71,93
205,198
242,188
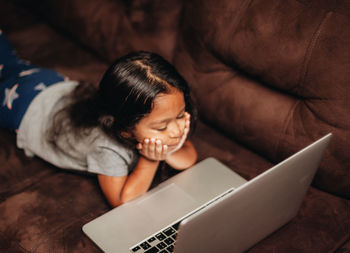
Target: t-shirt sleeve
106,161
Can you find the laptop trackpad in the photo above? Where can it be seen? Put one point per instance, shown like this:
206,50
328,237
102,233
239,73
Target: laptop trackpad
165,205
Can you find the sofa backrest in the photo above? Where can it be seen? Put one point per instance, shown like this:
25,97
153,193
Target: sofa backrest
274,75
113,28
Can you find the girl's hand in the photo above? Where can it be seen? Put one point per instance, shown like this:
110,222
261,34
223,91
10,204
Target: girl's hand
153,149
185,133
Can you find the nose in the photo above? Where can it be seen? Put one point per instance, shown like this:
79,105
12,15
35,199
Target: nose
174,129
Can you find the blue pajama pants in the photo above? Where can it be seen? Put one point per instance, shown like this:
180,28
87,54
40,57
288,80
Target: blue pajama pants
20,82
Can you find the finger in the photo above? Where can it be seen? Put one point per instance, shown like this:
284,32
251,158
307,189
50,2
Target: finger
145,144
187,124
141,147
188,120
184,136
165,151
187,116
159,149
151,147
186,129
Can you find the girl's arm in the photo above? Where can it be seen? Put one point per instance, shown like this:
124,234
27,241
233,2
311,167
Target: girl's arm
119,190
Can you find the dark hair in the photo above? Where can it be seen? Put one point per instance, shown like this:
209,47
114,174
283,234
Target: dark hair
125,95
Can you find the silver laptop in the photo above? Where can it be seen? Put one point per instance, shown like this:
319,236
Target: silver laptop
209,208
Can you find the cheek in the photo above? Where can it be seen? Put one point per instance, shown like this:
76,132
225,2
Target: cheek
139,135
142,135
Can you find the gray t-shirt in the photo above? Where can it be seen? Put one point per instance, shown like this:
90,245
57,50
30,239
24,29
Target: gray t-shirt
96,153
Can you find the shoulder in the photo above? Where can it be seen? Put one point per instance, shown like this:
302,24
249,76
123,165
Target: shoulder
109,156
105,144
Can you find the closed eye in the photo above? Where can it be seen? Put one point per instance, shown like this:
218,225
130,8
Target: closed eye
161,129
181,116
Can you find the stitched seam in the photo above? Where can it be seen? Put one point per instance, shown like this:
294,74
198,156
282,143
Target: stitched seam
242,9
309,50
285,126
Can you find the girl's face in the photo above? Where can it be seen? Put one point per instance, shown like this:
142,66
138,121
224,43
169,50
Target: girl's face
166,122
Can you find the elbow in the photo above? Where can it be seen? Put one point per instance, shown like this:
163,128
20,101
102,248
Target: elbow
186,163
120,201
123,198
128,195
194,158
115,203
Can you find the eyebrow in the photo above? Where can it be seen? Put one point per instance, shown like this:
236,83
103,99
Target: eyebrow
166,120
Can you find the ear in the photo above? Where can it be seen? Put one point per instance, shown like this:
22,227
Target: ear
125,134
106,120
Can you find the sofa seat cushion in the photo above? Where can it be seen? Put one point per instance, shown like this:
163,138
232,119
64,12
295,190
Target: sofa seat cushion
43,211
49,214
18,171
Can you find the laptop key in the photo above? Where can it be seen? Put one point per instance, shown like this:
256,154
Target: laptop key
160,237
161,245
176,226
145,245
152,250
152,239
169,231
136,249
170,248
169,241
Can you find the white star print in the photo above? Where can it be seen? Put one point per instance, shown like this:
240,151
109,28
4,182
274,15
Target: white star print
40,86
10,95
28,72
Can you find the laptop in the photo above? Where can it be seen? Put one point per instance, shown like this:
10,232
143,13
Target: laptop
209,208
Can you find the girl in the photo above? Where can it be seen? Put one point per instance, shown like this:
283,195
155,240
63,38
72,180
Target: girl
140,114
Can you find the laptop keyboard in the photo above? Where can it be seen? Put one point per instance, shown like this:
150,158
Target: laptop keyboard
162,242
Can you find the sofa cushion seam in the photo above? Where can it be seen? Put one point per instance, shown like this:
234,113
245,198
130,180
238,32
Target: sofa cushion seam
308,53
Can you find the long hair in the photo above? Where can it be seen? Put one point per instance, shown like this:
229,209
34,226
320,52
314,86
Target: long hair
124,96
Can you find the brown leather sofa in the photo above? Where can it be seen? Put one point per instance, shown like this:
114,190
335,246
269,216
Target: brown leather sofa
269,77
